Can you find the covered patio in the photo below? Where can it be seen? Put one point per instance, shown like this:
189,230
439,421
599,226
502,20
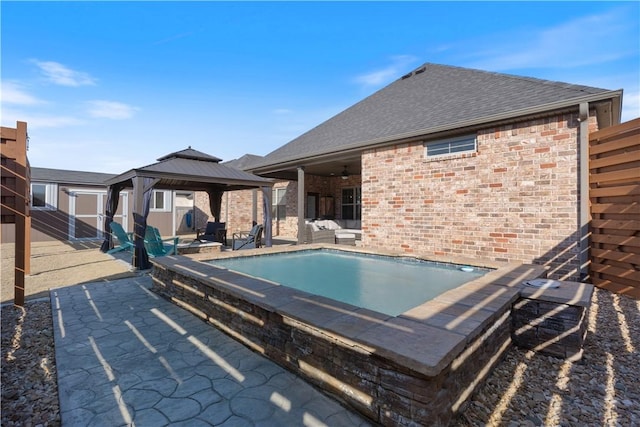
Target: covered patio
190,170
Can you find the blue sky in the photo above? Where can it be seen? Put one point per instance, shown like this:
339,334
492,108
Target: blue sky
109,86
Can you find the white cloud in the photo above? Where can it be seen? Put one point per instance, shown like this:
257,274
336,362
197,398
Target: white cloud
399,66
13,93
111,110
37,121
577,43
61,75
631,106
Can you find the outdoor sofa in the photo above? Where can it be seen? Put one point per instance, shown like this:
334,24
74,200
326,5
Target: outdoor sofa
324,231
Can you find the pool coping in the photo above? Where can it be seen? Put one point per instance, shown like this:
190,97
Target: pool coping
447,323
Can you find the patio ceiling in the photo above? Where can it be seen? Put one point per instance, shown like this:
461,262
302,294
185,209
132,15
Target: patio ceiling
326,166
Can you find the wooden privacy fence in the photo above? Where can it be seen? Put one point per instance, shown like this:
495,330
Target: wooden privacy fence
15,194
614,178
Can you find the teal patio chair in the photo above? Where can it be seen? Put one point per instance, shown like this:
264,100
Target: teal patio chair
124,239
248,239
157,246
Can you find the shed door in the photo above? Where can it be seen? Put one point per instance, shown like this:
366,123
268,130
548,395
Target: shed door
86,214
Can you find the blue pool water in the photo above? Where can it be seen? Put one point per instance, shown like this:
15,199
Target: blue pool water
384,284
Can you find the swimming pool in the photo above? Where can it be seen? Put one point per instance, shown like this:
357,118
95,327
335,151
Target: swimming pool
420,366
383,284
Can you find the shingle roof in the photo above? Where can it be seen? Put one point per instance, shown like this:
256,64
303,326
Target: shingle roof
192,169
432,98
62,176
190,153
244,162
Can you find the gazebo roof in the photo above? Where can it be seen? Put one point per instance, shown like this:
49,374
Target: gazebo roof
194,170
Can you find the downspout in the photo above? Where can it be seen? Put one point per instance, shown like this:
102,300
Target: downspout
583,180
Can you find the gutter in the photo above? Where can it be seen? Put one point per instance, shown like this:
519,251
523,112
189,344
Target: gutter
296,161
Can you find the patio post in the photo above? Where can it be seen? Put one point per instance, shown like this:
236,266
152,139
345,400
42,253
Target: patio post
301,200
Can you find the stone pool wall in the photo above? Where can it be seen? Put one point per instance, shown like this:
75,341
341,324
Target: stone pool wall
413,369
552,321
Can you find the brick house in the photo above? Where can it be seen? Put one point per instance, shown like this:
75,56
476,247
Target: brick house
448,161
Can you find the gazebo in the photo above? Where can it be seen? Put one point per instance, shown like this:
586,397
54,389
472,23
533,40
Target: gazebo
188,169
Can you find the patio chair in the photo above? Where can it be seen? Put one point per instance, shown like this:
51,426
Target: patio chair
214,232
248,239
125,239
157,246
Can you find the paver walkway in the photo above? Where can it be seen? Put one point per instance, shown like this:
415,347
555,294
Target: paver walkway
128,357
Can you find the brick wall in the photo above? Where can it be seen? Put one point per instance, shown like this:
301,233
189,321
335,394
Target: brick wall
237,205
237,210
516,199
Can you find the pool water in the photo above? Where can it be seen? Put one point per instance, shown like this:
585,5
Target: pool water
384,284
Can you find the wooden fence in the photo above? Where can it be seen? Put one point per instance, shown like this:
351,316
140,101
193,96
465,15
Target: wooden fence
15,195
614,178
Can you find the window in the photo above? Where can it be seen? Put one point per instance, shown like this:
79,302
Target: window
160,201
461,144
351,205
279,203
44,196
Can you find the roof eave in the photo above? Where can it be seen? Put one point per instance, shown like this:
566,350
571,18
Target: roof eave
298,161
129,175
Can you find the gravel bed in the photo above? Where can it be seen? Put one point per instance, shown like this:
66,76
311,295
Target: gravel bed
29,378
526,389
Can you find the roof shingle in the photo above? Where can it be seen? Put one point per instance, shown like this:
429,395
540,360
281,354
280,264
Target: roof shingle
431,98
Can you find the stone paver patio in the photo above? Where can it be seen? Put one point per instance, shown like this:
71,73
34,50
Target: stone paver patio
126,356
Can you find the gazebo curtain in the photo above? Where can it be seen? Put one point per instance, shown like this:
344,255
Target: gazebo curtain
113,197
266,211
215,202
140,256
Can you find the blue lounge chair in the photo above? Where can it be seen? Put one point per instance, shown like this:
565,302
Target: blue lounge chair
124,239
157,246
248,239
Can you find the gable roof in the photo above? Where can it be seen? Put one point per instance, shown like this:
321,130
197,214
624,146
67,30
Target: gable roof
62,176
190,169
433,98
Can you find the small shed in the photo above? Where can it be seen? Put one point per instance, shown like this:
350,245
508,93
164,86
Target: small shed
188,169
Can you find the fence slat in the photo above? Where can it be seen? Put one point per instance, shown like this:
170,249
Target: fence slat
617,159
615,208
615,255
613,145
625,273
616,240
621,175
616,224
619,190
611,284
615,131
